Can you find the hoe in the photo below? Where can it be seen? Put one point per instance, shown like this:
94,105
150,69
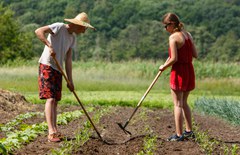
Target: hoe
105,141
138,105
68,82
122,127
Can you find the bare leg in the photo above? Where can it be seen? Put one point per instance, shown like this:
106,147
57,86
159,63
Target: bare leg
178,114
55,117
49,112
187,112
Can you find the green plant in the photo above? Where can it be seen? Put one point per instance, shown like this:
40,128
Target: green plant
235,148
205,142
18,120
224,108
149,144
15,139
209,144
3,150
81,137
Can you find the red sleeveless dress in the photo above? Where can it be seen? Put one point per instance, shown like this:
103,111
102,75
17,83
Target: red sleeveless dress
182,77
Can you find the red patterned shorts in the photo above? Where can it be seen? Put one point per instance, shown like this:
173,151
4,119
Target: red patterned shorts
49,82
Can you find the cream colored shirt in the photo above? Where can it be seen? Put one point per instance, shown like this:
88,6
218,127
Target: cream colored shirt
61,42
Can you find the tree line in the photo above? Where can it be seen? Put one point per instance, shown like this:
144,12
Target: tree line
126,29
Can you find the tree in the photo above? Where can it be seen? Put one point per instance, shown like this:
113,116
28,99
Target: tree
128,29
13,43
225,48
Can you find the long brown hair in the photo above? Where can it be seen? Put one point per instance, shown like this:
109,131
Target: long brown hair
174,19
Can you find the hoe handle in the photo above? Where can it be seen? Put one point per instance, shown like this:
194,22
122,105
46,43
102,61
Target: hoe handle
68,82
140,102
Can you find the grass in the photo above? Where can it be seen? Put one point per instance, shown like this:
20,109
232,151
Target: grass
155,99
124,83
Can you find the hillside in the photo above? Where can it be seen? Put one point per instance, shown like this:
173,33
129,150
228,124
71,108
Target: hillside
129,29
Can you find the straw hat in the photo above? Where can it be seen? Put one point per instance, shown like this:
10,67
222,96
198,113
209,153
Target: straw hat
81,19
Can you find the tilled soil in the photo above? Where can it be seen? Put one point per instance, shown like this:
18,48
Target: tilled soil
146,122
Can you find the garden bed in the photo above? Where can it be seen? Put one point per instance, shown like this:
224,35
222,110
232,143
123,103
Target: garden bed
149,127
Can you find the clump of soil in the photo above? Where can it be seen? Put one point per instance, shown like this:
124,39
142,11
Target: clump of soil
12,104
10,101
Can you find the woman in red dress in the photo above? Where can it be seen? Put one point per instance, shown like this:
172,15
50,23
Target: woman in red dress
182,77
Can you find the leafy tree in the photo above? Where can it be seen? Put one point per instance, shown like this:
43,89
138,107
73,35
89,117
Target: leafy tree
128,29
13,43
202,38
226,48
138,42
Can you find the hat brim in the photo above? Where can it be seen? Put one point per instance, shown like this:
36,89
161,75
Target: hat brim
77,22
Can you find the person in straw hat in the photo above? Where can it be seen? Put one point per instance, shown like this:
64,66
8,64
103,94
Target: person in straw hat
58,44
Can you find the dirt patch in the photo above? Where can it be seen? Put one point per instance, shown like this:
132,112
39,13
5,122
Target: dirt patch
13,104
220,130
159,121
146,122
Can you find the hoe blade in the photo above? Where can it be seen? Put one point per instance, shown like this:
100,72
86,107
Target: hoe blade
123,128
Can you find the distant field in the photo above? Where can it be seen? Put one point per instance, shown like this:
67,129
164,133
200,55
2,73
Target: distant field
124,83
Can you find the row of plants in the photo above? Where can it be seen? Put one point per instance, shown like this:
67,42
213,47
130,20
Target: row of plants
149,143
209,145
82,135
10,126
17,138
227,109
149,140
70,146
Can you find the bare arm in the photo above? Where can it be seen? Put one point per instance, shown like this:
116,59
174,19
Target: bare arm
41,32
167,60
173,59
68,65
195,54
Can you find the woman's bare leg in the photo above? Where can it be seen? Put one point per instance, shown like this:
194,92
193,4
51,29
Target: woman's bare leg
187,112
178,108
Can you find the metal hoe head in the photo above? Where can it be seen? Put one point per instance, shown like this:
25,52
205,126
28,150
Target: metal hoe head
123,128
139,104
